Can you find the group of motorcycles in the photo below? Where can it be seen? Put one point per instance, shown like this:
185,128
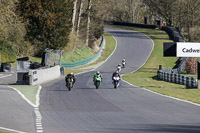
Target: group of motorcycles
116,76
98,78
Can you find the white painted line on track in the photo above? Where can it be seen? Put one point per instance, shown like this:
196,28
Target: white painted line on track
6,76
38,119
22,95
11,130
38,125
38,96
39,128
163,94
39,131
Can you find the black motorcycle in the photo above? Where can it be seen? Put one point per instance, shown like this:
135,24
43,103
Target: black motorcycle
123,64
69,83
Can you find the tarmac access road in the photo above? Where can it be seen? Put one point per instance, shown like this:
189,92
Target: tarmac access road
127,109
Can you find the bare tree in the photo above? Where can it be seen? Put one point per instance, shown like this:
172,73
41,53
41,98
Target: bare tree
79,16
74,16
88,21
161,8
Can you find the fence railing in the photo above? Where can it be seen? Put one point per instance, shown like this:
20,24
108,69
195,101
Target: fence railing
85,61
169,76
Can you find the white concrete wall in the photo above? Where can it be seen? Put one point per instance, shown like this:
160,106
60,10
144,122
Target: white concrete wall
43,75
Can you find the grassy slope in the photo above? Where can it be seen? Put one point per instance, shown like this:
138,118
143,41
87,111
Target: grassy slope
110,44
146,77
109,47
80,53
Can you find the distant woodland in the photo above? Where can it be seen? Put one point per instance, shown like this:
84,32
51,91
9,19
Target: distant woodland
27,27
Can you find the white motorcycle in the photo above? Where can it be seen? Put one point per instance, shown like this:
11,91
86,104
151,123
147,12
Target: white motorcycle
116,82
123,64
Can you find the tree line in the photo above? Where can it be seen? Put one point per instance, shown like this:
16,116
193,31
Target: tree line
183,14
30,26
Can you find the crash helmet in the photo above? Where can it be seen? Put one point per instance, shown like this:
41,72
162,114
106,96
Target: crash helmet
98,72
71,73
119,65
123,60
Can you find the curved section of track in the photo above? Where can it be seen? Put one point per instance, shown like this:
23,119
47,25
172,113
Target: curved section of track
126,109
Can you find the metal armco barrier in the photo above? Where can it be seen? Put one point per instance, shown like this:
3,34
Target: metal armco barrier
86,61
169,76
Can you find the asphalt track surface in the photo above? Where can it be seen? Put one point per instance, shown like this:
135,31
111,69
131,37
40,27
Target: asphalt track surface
15,112
16,115
127,109
8,77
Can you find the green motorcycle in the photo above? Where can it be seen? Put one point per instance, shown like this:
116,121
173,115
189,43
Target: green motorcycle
97,81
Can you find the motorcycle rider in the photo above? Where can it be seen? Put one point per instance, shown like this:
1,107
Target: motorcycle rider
123,62
119,67
69,76
97,74
116,74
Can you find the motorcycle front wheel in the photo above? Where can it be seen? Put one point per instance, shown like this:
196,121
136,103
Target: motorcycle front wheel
97,85
115,84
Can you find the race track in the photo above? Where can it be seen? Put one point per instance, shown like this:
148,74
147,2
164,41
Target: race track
127,109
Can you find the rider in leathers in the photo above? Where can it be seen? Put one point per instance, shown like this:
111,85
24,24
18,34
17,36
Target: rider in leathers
116,74
70,75
96,75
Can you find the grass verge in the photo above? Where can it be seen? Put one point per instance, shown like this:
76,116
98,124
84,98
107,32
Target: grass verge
80,53
110,45
28,91
146,77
